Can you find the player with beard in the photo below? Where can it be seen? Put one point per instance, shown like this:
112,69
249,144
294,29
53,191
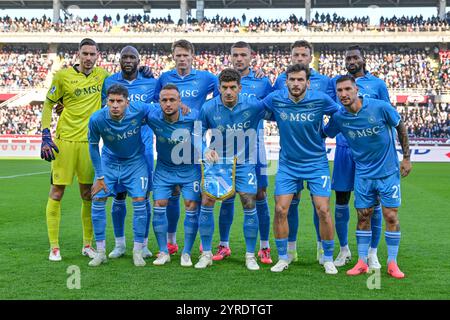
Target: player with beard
368,126
342,183
141,89
253,85
299,113
302,53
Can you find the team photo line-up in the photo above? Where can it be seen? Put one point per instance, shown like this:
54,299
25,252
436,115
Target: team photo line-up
193,133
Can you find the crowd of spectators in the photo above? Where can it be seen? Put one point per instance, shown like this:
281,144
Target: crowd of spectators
444,71
23,120
21,67
427,122
146,24
400,68
414,24
270,128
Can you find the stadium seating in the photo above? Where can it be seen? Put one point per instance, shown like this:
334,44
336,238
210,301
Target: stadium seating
422,69
144,23
22,67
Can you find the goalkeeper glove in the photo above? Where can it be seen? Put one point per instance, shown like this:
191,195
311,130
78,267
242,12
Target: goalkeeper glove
47,145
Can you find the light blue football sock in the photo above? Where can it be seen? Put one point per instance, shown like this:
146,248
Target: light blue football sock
250,229
393,242
363,241
293,220
262,208
190,229
173,214
139,220
160,227
99,219
282,248
118,213
148,206
206,227
376,223
328,250
342,217
226,216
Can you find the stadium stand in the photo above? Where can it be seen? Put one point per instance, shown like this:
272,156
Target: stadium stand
400,68
422,70
444,71
22,67
145,23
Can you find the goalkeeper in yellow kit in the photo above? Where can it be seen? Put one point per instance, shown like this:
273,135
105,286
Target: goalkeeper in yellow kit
78,88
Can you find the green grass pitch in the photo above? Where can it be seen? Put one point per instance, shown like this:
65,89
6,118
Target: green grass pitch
26,272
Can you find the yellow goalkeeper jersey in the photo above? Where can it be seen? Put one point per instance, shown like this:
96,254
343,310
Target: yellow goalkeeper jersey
81,96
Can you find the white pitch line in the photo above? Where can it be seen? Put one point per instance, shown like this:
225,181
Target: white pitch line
24,175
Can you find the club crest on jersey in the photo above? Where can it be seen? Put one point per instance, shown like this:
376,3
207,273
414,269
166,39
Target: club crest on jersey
284,116
246,114
372,119
134,122
77,92
110,138
352,134
221,128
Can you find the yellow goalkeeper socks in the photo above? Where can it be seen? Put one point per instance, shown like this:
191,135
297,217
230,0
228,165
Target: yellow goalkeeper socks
86,220
53,213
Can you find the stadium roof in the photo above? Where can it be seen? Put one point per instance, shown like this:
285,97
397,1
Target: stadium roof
173,4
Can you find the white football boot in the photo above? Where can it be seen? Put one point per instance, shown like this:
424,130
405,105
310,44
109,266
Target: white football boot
343,258
100,257
204,261
146,253
138,259
250,262
88,251
117,252
163,258
330,267
55,255
186,260
373,262
280,266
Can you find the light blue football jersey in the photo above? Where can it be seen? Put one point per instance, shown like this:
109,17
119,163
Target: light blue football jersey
300,124
194,88
369,135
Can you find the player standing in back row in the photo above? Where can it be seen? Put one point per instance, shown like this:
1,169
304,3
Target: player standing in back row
194,87
140,88
344,166
253,85
79,89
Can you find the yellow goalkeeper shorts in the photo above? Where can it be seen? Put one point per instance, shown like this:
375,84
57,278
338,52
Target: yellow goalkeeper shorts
73,159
